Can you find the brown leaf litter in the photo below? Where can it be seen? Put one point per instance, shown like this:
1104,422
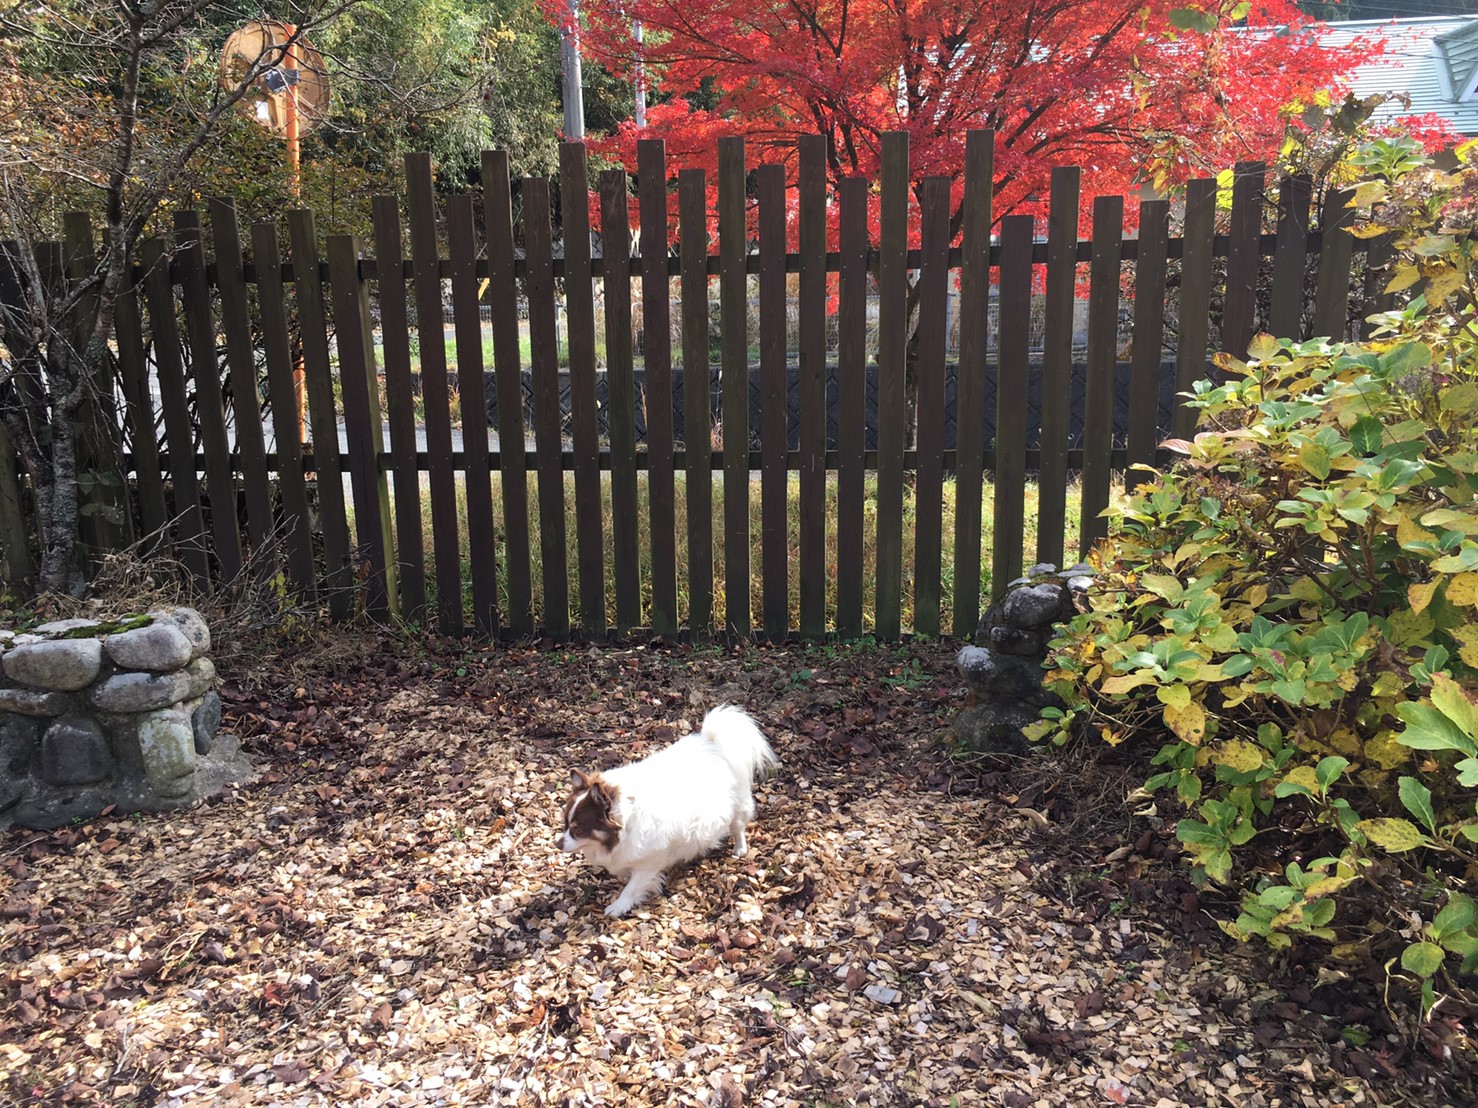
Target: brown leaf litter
385,917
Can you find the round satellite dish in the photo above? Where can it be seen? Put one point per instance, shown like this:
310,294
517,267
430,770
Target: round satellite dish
283,70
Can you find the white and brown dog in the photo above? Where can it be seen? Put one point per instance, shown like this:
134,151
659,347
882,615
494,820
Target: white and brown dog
672,806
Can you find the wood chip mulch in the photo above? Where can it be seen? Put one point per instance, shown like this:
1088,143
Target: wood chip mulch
384,917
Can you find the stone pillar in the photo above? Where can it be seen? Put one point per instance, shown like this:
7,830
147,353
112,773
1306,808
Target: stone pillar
1004,671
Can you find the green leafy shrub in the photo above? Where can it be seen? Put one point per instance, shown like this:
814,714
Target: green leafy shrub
1291,613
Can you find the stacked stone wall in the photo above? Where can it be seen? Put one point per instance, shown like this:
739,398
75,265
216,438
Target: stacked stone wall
96,715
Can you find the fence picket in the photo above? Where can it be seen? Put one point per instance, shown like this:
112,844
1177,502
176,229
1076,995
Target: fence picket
1149,333
1285,315
282,393
697,398
497,202
544,366
1243,257
892,368
16,563
657,351
1379,252
435,398
133,372
477,477
970,386
323,420
774,405
410,553
929,480
1013,360
851,401
574,191
1057,365
733,294
241,366
621,402
1332,297
210,411
359,385
1098,396
179,435
812,386
1193,335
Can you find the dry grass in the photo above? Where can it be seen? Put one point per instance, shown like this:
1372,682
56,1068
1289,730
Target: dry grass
793,526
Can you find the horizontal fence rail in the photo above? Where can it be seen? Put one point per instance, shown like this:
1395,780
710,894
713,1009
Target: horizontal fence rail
532,460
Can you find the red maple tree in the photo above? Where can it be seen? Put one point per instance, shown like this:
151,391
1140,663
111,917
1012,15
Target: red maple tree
1130,90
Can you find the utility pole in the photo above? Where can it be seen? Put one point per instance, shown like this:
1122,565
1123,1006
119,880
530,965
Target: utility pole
640,82
569,56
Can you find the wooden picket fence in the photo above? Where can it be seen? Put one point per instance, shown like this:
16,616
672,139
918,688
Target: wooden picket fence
253,508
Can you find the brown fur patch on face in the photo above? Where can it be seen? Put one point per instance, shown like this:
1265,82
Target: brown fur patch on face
589,814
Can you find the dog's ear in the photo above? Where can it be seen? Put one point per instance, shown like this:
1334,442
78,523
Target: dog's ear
604,797
578,780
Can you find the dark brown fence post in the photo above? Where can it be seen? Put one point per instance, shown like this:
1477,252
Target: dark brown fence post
175,404
1057,366
548,445
697,398
892,367
359,383
1150,267
1243,258
435,397
733,299
410,551
933,324
133,374
621,403
482,554
15,533
812,386
851,402
1103,339
1336,250
1013,361
282,392
1193,335
774,406
108,518
651,187
241,365
1290,256
508,377
574,189
970,383
323,419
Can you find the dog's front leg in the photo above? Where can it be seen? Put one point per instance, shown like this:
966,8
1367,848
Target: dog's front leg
643,883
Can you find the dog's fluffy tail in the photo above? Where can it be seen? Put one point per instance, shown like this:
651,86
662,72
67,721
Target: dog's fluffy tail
733,731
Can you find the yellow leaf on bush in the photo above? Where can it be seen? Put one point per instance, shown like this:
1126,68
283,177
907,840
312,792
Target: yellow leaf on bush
1176,696
1463,589
1110,736
1407,627
1238,754
1188,722
1346,741
1409,531
1126,681
1256,596
1419,594
1383,750
1467,637
1395,835
1304,776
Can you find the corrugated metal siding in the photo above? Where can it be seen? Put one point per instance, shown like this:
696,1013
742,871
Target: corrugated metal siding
1411,64
1461,50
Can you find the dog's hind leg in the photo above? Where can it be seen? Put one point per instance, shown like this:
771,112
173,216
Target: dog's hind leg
643,883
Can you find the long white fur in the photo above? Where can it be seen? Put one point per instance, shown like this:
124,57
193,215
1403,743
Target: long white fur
681,802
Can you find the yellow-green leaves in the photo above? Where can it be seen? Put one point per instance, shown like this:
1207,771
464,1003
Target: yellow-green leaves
1394,835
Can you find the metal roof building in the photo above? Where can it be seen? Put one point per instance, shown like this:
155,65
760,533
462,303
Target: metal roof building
1432,59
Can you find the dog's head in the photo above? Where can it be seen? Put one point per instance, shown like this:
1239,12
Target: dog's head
590,817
